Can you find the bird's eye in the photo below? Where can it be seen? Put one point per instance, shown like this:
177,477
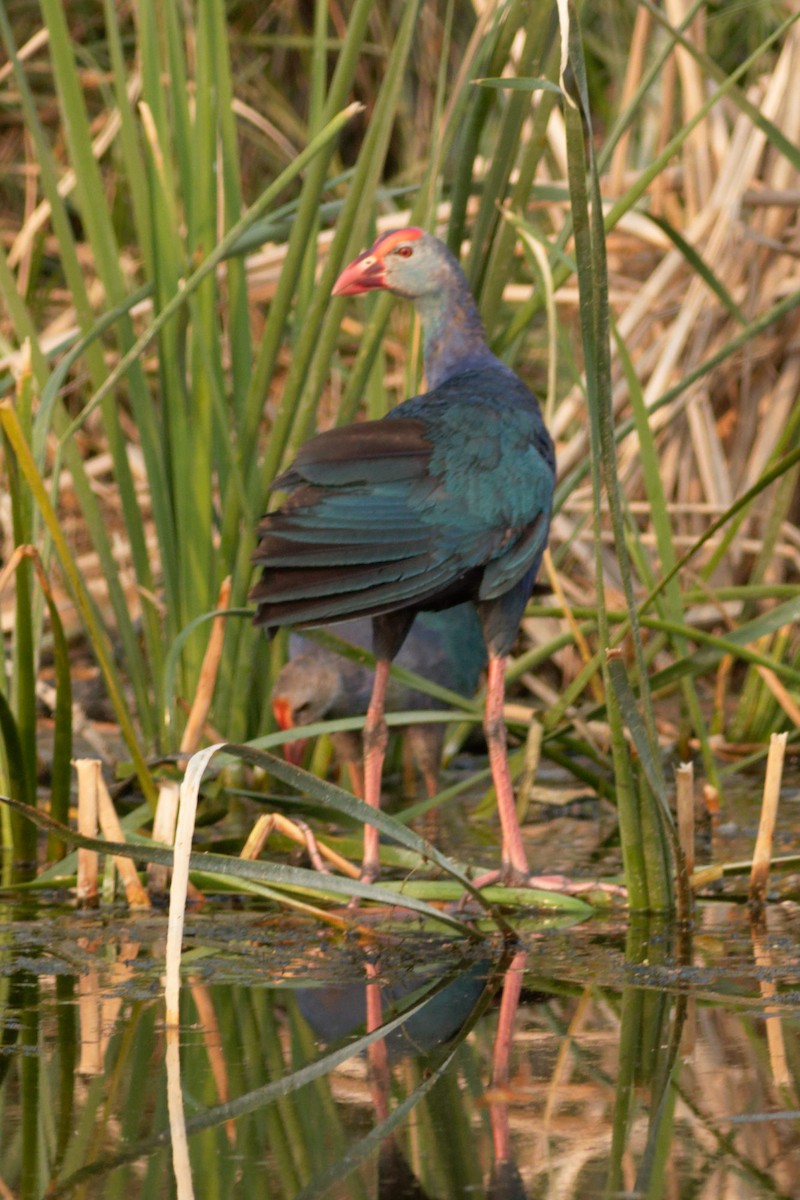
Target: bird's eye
301,711
404,251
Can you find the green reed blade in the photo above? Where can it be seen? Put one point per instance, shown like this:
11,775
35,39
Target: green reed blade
100,648
639,822
673,604
277,875
19,784
61,768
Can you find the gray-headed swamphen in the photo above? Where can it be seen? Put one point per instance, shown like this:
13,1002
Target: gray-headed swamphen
444,500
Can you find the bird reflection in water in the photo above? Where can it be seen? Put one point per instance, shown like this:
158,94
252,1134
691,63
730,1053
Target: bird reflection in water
430,1034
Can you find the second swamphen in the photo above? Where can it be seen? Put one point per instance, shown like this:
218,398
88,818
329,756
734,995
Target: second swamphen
446,499
318,684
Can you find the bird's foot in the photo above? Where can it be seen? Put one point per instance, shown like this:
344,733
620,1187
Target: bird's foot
574,887
509,876
312,849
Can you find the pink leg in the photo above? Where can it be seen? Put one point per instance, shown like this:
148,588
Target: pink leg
375,738
514,859
514,867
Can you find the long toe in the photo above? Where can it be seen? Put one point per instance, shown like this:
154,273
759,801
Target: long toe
509,877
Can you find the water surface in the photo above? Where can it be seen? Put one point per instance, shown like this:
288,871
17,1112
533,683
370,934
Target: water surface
594,1059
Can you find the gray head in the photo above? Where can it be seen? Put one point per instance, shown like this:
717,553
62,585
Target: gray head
305,691
418,266
408,262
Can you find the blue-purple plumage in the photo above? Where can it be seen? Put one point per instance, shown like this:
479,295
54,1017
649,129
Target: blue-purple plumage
444,500
447,499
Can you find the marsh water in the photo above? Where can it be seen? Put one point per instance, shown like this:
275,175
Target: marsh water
596,1056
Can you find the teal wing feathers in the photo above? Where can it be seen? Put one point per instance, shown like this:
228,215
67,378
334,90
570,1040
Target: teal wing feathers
447,498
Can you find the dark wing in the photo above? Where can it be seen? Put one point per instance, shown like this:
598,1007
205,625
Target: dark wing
344,455
349,539
395,513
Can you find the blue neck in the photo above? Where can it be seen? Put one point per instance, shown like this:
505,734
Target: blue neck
453,335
